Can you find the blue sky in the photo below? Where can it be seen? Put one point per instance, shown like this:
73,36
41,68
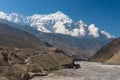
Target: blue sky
104,13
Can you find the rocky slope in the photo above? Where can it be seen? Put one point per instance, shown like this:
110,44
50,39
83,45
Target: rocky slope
109,53
22,56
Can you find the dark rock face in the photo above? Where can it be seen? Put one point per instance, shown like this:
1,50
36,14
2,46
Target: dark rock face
74,66
77,66
109,53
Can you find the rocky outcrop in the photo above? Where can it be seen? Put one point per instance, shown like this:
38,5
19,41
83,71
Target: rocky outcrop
37,63
108,54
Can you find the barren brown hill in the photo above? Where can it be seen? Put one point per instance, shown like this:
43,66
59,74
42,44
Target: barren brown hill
22,56
109,53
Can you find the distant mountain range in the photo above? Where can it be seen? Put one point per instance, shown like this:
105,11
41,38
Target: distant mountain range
56,23
76,39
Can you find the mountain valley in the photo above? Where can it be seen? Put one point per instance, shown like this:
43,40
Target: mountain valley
36,45
80,45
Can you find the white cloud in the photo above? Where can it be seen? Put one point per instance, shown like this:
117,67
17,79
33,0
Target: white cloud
75,32
3,15
93,30
60,28
82,31
81,28
79,31
106,34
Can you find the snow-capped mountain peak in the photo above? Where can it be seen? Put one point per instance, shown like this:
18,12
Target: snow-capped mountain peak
46,23
56,23
59,13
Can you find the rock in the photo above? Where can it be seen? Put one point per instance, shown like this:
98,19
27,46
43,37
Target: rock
77,66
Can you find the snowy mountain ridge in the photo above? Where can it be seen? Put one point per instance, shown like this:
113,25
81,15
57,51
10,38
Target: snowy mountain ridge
56,23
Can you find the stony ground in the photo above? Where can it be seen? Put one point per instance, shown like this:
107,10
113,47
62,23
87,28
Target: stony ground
88,71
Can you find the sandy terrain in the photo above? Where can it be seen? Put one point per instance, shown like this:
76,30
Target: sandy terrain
88,71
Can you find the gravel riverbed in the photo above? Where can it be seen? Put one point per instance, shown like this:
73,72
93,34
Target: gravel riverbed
88,71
